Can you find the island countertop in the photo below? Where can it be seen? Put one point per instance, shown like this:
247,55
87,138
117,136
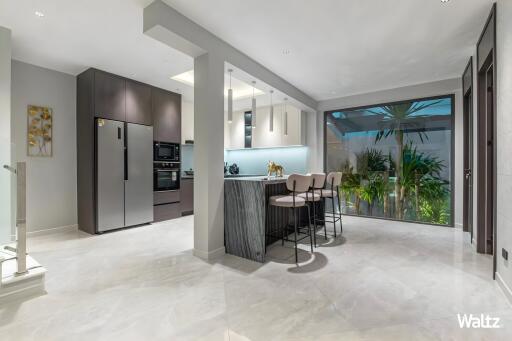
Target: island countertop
263,179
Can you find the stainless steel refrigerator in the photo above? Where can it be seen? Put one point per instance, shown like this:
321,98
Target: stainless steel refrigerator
124,187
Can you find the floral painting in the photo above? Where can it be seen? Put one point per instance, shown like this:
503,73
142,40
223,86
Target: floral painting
39,131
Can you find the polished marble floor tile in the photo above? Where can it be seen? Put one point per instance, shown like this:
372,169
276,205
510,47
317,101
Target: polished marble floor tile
381,280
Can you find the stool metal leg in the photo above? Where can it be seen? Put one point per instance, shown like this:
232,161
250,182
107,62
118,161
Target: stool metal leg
309,226
295,240
282,231
339,210
314,219
333,217
325,222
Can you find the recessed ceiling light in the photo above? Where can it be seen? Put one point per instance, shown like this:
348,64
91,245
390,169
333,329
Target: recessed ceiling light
286,52
444,1
39,14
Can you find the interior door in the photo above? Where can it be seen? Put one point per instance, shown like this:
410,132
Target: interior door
110,174
490,171
486,130
468,163
467,86
139,176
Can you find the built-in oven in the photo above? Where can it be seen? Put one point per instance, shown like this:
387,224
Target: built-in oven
166,176
164,151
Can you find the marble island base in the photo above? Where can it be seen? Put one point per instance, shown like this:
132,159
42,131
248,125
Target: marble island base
250,224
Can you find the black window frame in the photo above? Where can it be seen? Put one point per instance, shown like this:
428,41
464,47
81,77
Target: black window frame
452,97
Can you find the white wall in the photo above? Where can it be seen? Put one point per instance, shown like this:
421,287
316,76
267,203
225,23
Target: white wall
51,182
6,204
504,141
444,87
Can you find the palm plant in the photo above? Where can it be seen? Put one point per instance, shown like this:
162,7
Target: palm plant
416,168
434,201
374,189
371,160
397,120
351,185
382,189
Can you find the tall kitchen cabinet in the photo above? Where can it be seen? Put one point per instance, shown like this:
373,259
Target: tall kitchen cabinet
136,113
167,115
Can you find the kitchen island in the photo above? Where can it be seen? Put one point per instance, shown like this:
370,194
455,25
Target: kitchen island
250,224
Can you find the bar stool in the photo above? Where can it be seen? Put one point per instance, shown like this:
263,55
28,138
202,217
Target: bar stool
314,195
331,191
296,184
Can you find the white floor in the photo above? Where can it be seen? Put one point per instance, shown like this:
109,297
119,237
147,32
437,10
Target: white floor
381,281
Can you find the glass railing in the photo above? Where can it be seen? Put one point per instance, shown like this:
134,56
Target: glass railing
7,192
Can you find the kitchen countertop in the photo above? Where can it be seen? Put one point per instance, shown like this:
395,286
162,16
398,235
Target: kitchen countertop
259,178
264,179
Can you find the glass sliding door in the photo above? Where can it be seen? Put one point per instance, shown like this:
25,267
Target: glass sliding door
396,159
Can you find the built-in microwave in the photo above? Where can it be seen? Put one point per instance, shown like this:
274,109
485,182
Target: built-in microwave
164,151
166,176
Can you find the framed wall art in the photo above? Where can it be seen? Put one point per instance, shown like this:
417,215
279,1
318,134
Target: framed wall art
39,131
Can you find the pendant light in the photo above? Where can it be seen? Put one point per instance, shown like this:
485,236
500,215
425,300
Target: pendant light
230,99
285,125
271,119
253,106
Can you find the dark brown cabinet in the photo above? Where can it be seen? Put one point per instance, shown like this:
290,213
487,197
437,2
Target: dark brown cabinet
187,196
167,211
138,103
104,95
166,116
109,96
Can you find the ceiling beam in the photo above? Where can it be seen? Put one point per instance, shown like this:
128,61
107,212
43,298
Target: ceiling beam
172,28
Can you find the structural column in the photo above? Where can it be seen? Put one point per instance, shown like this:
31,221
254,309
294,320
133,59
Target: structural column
6,156
208,156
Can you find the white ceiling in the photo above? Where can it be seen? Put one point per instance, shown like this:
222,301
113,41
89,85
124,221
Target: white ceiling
336,47
106,34
343,47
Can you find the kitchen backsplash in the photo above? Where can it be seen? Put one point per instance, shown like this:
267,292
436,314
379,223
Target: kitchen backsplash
254,161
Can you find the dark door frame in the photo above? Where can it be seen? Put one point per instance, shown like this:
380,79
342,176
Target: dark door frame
486,59
468,136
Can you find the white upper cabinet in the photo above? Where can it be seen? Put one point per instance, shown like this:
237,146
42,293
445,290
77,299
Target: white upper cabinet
262,137
187,121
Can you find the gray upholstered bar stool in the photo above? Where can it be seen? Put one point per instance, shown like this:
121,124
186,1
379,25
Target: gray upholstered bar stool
295,184
314,195
331,191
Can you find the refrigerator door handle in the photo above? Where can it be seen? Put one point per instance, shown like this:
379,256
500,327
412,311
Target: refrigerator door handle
125,164
125,152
